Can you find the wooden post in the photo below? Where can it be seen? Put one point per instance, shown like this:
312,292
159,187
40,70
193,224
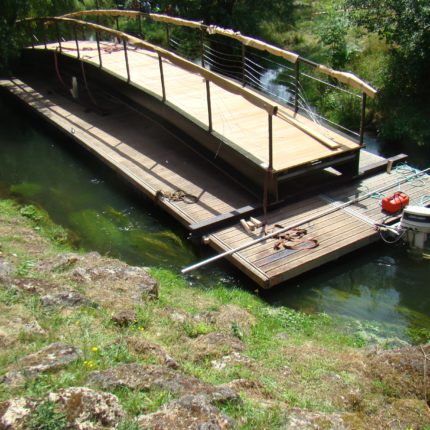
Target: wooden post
296,85
124,42
58,35
76,41
270,142
160,62
363,117
243,65
98,49
202,47
208,96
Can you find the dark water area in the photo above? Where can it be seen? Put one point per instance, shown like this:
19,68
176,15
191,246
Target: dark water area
382,290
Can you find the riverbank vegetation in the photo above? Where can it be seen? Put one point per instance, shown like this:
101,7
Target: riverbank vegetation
81,326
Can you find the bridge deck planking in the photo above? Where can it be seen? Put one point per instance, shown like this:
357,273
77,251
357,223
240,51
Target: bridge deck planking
234,118
338,233
151,160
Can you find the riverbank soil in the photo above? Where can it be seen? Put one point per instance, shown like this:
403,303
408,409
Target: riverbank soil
88,342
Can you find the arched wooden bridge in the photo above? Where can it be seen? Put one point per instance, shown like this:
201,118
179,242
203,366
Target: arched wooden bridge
236,150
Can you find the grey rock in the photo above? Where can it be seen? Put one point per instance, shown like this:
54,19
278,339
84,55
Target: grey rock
187,413
142,346
65,299
33,328
124,318
300,419
53,357
6,268
88,409
13,379
137,377
215,345
14,413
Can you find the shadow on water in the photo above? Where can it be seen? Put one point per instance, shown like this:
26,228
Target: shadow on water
381,285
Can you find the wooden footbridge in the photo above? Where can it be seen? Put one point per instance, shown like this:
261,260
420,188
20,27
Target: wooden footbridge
227,151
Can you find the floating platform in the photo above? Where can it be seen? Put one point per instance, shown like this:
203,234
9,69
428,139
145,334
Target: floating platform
154,161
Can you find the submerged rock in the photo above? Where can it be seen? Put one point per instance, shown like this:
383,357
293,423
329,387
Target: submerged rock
137,377
187,413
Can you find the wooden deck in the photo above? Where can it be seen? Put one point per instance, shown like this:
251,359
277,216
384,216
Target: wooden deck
338,233
144,153
236,121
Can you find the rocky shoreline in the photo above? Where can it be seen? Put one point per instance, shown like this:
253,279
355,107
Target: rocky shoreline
89,342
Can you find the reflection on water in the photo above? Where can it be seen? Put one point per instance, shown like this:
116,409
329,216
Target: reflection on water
381,285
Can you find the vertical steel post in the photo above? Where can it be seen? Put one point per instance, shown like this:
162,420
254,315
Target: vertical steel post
168,35
30,27
270,142
363,117
117,23
140,25
98,49
160,62
124,42
202,47
44,35
208,96
76,41
243,65
58,35
296,85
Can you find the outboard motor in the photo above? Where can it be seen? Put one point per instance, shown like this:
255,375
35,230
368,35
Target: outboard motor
416,223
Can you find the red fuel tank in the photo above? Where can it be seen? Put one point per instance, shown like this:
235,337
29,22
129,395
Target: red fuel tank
395,202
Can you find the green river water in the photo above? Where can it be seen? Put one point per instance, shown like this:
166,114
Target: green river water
381,292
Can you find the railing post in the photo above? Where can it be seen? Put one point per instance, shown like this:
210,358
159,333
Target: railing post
44,35
208,96
76,41
30,27
296,85
163,88
363,117
168,35
98,49
140,25
117,27
243,65
58,36
270,142
202,47
124,42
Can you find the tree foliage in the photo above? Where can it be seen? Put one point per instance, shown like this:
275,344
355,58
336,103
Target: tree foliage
405,25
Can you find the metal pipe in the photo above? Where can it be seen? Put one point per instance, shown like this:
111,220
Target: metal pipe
30,27
124,42
76,40
298,224
363,117
99,50
140,25
44,36
168,35
160,62
208,94
296,85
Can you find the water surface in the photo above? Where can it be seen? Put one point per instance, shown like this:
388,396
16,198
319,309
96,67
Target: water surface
382,289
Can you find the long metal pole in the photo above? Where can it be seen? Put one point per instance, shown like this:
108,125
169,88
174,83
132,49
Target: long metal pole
208,94
124,42
299,223
202,47
58,36
30,27
363,117
243,64
160,62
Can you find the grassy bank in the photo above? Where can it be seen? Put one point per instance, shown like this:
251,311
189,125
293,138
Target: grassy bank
283,363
